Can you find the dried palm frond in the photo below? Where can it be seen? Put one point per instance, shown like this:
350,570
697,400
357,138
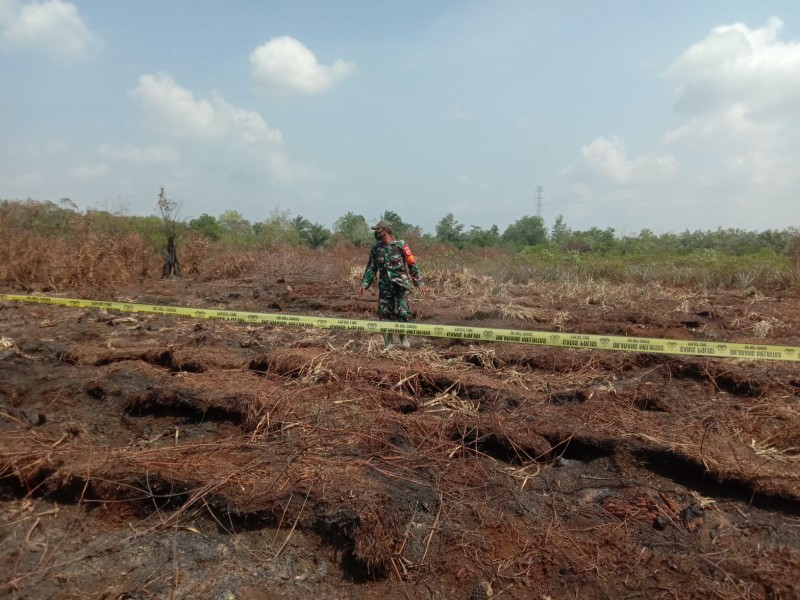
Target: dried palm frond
782,456
514,377
448,401
520,313
561,318
315,371
762,328
482,356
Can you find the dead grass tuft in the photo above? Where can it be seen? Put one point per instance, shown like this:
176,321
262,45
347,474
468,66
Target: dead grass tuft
449,402
521,313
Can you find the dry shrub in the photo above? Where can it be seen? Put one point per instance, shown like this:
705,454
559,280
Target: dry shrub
74,252
281,263
228,264
26,259
138,256
345,257
98,263
297,264
88,264
194,252
438,250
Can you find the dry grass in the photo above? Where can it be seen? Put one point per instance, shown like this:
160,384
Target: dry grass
267,265
311,436
96,263
521,313
785,456
81,256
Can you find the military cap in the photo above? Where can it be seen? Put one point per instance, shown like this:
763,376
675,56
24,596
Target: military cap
383,224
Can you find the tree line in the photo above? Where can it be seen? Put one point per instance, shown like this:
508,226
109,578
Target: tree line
281,228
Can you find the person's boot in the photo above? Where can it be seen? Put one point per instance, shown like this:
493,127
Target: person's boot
404,341
388,340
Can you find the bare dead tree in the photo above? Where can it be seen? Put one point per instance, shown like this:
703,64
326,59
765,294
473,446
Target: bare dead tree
170,217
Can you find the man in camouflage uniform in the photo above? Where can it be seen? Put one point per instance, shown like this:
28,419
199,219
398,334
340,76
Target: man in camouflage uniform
392,261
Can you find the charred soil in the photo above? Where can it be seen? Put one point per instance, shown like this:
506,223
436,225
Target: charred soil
146,456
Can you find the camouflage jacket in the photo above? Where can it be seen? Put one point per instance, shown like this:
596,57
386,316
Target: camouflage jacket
389,261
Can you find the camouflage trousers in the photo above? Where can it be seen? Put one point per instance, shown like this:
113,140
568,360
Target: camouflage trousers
393,302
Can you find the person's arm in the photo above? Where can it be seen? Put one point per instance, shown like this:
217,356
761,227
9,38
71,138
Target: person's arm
369,272
413,268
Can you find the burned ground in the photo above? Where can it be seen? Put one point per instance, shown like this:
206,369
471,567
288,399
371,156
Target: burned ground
145,456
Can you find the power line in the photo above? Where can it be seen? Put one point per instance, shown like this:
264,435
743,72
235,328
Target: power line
539,200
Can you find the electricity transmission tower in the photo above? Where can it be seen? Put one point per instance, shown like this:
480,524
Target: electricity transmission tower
539,200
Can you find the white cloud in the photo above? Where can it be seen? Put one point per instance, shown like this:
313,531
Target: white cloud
609,158
150,154
463,179
725,123
738,66
250,126
740,89
53,27
737,91
284,62
456,113
284,169
89,171
178,110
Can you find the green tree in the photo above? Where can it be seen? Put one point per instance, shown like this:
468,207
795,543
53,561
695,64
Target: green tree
526,231
301,223
234,227
598,240
354,228
450,231
208,225
51,219
560,232
400,228
483,238
150,228
779,241
280,229
316,236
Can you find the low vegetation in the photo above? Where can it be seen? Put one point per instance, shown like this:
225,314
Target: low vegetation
55,246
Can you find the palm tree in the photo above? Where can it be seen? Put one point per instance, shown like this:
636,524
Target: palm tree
301,223
316,235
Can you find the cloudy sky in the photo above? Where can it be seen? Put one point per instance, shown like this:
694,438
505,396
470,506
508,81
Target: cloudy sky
666,115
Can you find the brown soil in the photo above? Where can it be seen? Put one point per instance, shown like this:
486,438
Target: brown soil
145,456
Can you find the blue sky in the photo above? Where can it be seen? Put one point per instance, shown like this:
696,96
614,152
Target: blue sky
660,115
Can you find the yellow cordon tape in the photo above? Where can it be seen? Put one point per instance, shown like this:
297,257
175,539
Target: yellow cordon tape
477,334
